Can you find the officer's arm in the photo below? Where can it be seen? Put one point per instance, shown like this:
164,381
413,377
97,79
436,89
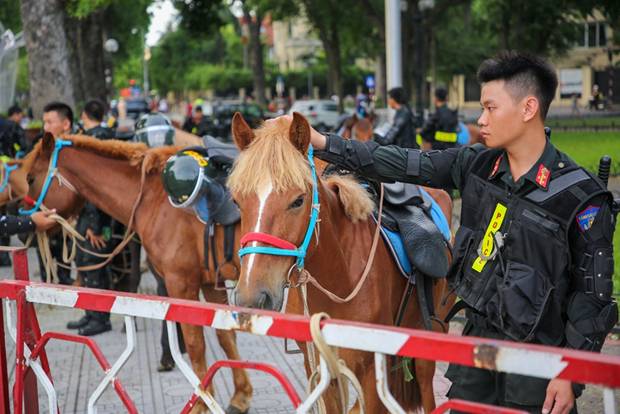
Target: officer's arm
591,310
10,225
441,169
93,217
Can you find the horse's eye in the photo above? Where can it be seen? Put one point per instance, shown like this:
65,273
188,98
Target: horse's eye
30,179
299,201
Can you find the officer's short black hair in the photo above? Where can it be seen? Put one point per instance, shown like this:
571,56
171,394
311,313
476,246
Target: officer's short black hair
398,94
523,74
441,94
61,108
198,108
14,110
94,110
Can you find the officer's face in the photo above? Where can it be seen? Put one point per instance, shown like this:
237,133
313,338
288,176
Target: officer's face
55,124
501,121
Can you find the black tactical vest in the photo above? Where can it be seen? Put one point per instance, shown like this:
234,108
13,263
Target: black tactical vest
512,259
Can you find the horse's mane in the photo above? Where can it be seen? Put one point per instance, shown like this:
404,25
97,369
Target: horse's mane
271,157
134,152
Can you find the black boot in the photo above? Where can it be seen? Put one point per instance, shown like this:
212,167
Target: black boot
95,327
5,258
83,321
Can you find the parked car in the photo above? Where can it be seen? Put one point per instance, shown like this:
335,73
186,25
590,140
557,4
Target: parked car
137,107
322,114
221,118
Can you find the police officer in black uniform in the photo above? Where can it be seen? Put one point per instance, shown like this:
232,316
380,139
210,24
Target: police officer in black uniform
533,258
402,132
94,225
439,130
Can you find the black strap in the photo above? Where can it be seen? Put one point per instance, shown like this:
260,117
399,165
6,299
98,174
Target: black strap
205,237
456,308
413,162
229,242
558,185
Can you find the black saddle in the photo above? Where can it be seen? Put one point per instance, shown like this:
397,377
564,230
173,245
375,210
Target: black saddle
407,211
219,151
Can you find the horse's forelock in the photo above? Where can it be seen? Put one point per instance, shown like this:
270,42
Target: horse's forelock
271,157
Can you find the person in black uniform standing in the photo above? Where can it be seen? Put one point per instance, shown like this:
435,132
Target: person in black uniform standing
533,258
94,225
439,130
402,132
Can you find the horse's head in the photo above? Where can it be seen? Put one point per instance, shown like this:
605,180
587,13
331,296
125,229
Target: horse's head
13,185
35,170
272,184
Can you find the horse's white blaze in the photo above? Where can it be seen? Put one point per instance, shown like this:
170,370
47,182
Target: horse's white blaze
263,195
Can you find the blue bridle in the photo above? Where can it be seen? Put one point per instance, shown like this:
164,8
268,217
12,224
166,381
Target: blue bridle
60,144
7,174
300,252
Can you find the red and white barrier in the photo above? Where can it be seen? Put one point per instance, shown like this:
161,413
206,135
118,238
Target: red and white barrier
502,356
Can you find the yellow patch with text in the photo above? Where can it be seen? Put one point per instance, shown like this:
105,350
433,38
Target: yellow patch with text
487,241
199,158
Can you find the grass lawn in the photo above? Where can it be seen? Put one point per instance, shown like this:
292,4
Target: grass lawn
606,121
586,148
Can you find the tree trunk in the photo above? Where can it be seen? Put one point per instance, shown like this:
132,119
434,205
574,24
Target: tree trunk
48,55
380,78
86,39
331,43
256,55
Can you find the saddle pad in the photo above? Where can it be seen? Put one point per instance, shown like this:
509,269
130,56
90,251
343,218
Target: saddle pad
438,217
396,246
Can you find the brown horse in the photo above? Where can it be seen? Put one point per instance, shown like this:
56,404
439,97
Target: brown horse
108,174
271,182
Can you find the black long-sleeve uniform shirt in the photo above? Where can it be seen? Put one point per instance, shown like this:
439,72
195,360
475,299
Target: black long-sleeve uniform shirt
447,169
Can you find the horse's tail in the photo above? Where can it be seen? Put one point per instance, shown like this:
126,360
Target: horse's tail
403,383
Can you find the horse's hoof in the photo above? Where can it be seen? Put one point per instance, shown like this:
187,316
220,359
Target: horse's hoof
234,410
165,366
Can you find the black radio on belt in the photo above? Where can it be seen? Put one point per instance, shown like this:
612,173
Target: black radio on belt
604,167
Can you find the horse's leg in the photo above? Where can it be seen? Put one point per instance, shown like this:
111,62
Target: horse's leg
243,388
424,371
184,287
367,379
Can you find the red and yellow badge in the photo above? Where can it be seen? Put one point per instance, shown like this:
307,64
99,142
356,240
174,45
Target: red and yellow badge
496,166
542,178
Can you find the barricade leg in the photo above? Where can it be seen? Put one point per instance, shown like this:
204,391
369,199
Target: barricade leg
187,371
110,376
320,388
38,371
383,388
4,371
609,401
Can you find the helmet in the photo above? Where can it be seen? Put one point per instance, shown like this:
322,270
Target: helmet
154,130
189,181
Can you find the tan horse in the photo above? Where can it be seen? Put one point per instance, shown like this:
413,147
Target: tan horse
108,174
271,182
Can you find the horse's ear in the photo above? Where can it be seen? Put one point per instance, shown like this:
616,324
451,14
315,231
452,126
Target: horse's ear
48,143
241,131
299,132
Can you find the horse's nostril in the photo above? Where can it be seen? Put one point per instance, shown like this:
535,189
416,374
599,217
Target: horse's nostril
265,301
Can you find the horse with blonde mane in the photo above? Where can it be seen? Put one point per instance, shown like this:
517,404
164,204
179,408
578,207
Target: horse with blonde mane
115,176
272,182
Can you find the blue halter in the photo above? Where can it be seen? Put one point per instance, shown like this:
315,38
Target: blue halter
300,252
60,143
7,174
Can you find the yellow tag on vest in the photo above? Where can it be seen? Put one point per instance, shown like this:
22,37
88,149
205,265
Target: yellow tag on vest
442,136
487,242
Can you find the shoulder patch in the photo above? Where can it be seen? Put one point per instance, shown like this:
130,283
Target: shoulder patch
586,217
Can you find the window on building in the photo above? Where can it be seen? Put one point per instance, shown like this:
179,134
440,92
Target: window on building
594,35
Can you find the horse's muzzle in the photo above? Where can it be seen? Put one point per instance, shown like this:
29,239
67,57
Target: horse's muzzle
261,299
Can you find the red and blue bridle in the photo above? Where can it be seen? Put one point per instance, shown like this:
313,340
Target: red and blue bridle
280,247
60,144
